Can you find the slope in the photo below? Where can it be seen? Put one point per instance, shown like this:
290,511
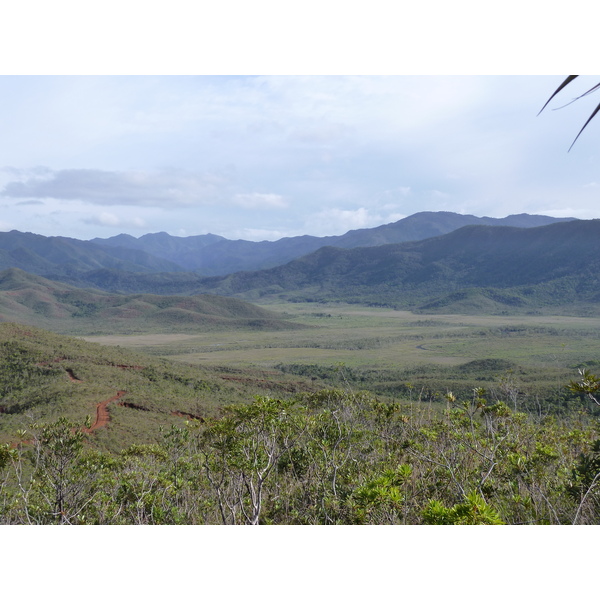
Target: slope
126,396
26,298
555,265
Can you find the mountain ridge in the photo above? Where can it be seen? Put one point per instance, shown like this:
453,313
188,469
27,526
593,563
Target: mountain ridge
530,265
497,267
68,259
215,256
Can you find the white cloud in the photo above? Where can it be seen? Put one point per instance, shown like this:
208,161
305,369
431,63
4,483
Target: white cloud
321,133
107,219
256,200
402,191
257,235
133,188
335,221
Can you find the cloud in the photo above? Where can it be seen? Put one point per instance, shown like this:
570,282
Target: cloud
401,191
30,203
257,235
125,188
256,200
106,219
335,221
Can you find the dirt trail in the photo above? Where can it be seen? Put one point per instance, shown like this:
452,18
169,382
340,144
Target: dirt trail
102,414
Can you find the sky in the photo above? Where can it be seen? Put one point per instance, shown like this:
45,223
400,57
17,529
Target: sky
261,157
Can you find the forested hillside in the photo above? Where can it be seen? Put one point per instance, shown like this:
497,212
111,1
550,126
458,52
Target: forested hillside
330,457
476,268
60,257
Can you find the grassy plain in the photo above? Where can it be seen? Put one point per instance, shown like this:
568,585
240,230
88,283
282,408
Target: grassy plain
385,350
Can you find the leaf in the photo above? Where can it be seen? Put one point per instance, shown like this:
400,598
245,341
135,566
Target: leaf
560,87
586,124
566,82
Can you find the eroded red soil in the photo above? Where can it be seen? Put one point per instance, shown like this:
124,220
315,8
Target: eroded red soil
102,414
185,415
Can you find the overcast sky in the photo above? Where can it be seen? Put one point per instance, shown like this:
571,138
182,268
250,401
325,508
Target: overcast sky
265,157
257,157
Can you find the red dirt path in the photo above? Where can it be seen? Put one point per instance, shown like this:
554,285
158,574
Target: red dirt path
102,414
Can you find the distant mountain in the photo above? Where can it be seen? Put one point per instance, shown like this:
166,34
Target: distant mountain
33,300
506,267
179,250
67,257
213,255
367,265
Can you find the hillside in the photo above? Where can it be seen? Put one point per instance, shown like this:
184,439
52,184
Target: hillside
26,298
480,268
94,262
45,376
213,255
179,250
100,436
500,268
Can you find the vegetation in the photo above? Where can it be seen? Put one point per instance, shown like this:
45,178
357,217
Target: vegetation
474,270
477,269
103,262
564,84
45,377
395,353
309,412
31,299
187,444
330,457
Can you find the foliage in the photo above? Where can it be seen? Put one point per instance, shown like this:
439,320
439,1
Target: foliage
564,84
324,456
473,511
589,385
332,457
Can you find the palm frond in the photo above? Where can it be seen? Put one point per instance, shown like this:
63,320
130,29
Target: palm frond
560,87
586,123
566,82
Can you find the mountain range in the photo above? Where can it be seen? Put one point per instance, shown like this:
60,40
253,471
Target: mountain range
71,260
450,263
214,255
504,267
